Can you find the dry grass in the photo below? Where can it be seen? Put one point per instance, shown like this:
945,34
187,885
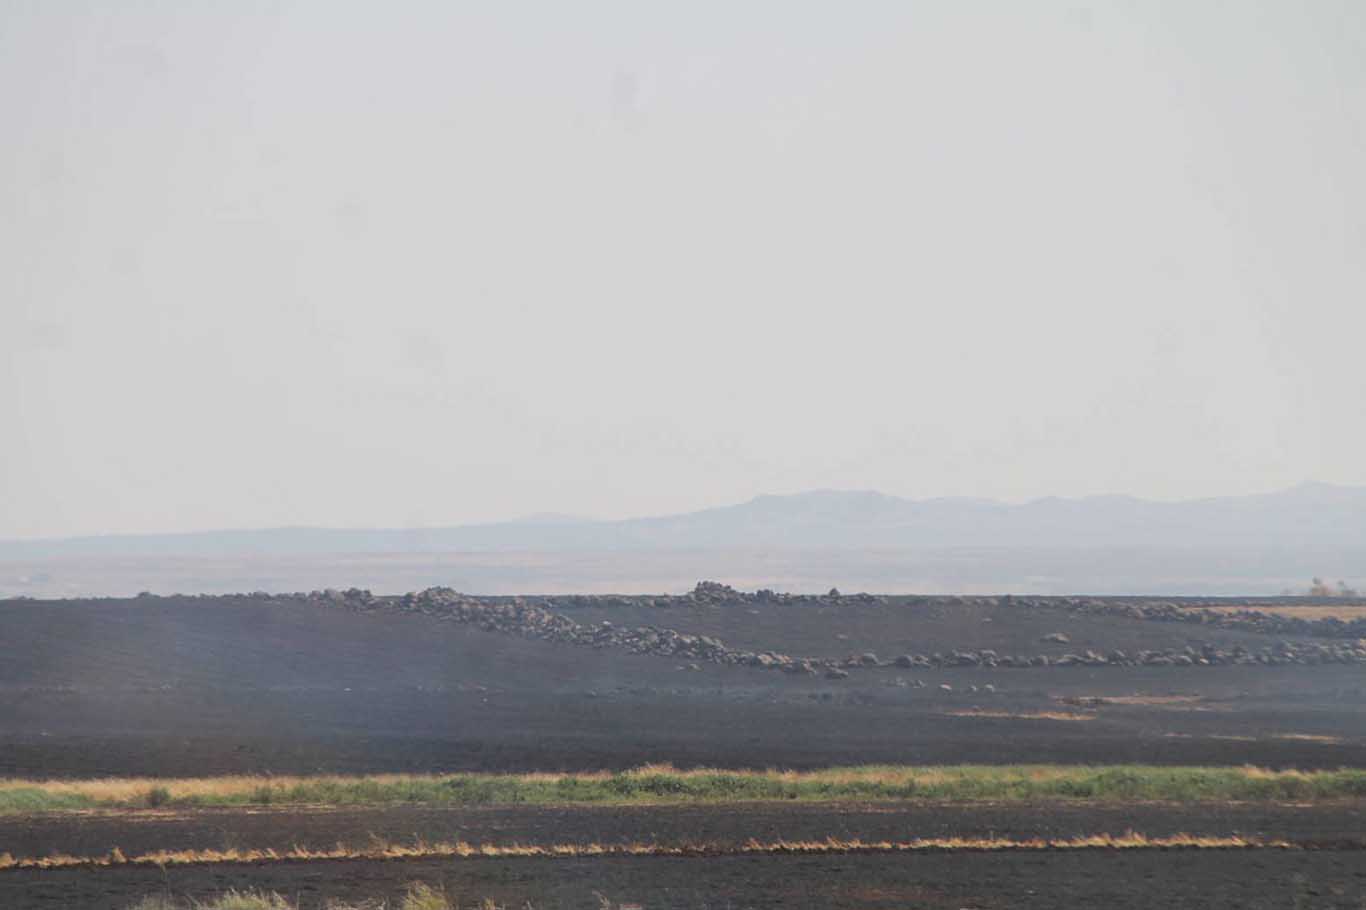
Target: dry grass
425,897
1345,612
666,785
419,896
1030,715
1309,737
154,902
1260,773
383,850
134,790
1156,700
247,900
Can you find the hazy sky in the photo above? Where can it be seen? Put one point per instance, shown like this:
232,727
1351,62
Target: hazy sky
423,263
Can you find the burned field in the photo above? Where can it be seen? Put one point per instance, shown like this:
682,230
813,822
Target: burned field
439,683
200,686
1266,880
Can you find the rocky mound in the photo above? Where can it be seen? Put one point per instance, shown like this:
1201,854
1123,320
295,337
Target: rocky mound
533,618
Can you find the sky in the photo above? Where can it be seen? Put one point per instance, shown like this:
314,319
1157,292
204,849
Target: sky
316,262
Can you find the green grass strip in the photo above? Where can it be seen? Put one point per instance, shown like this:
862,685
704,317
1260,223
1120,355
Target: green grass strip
967,783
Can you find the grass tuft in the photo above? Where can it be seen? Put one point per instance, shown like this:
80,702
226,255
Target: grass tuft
154,902
246,900
418,897
425,897
39,798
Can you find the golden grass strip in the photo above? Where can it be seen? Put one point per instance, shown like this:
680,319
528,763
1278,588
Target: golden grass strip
1148,700
1345,612
1025,715
133,789
381,850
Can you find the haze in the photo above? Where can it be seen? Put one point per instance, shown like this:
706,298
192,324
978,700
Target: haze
415,264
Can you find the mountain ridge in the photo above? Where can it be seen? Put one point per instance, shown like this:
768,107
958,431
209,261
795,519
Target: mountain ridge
1306,515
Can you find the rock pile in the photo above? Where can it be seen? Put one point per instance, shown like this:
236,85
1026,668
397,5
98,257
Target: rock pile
1189,610
1282,652
531,619
518,616
1266,623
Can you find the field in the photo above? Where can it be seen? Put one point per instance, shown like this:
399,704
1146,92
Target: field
335,748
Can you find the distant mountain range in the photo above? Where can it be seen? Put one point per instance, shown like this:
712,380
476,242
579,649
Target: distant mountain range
1306,517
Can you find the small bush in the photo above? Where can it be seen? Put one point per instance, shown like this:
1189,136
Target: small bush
158,796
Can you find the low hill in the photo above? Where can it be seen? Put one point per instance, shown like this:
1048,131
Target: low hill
1309,515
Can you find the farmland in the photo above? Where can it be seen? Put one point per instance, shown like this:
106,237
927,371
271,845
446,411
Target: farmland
712,749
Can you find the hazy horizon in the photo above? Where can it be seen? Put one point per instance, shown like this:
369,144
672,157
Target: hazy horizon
422,265
560,517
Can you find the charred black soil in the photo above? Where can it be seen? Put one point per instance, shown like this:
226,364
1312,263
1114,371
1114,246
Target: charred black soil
195,687
1270,879
180,687
94,834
